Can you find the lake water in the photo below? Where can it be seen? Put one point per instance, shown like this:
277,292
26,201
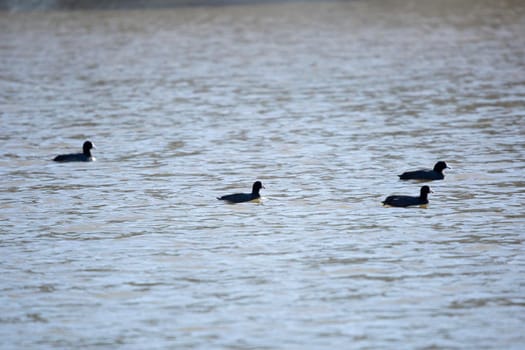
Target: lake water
325,103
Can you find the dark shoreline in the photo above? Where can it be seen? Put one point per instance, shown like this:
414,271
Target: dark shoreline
43,5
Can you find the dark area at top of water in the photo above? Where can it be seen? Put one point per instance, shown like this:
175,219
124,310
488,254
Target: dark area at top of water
39,5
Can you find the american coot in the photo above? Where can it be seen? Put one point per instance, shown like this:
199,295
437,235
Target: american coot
405,201
426,174
244,197
85,156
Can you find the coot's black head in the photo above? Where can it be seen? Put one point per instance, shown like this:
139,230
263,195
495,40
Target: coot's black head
86,148
440,166
425,190
257,185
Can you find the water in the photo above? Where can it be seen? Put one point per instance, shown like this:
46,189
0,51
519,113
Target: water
325,103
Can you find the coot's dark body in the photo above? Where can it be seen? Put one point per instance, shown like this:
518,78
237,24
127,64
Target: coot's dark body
244,197
406,201
426,174
85,156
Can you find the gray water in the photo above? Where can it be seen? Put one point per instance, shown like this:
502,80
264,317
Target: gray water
325,103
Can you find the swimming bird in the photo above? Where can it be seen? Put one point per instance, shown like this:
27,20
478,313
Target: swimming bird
426,174
244,197
405,201
85,156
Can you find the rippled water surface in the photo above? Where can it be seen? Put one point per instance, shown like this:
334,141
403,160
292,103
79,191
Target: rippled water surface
325,103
